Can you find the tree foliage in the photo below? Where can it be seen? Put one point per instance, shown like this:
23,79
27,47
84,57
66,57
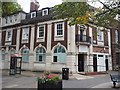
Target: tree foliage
82,13
9,8
107,16
75,12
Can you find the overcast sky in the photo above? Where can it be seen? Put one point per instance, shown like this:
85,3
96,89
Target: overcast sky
25,4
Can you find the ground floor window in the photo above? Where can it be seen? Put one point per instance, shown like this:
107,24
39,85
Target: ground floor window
59,55
25,54
3,54
40,54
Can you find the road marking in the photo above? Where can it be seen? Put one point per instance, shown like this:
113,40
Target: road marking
11,86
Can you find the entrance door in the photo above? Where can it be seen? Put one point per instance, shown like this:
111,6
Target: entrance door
81,62
95,63
106,62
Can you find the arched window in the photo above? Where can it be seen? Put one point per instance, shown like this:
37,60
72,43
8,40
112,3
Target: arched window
59,54
25,54
3,54
40,54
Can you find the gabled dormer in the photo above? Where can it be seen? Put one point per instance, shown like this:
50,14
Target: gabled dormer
45,11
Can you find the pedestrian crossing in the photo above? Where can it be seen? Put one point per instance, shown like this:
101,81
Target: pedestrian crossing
81,77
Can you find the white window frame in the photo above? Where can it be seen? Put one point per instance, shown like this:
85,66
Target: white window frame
10,39
43,14
56,29
100,34
32,14
15,17
6,20
38,31
116,36
23,32
10,19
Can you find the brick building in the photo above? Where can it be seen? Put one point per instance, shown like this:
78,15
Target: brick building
47,44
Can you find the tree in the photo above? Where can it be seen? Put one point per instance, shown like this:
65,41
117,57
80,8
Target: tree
9,8
76,13
82,13
107,15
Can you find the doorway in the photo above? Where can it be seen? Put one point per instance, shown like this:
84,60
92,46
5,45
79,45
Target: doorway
81,62
95,63
106,63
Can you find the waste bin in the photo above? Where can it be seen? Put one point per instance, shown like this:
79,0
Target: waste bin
65,73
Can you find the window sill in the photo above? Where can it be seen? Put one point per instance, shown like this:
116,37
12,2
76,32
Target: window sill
24,39
39,62
59,36
58,63
8,41
25,62
40,38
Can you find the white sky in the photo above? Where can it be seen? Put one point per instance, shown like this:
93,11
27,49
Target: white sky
25,4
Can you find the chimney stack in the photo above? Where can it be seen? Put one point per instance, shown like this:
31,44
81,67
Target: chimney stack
34,5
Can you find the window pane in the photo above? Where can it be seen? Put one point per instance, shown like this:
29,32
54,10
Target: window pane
59,49
40,54
41,31
25,54
55,51
60,29
40,58
116,36
55,59
9,35
63,50
3,54
25,33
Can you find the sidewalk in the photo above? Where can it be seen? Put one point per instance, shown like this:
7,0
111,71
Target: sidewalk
107,85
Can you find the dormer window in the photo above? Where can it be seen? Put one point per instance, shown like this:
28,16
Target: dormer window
6,20
33,14
44,12
10,18
15,16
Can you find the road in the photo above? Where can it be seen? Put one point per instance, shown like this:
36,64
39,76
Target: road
76,81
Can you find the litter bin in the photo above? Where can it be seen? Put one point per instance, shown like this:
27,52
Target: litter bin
65,73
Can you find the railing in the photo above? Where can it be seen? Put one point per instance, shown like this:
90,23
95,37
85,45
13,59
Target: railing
83,38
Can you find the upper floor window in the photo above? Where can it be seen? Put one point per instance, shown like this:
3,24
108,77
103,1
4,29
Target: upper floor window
6,20
15,16
25,33
8,35
100,36
59,29
10,18
44,12
33,14
116,36
40,32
